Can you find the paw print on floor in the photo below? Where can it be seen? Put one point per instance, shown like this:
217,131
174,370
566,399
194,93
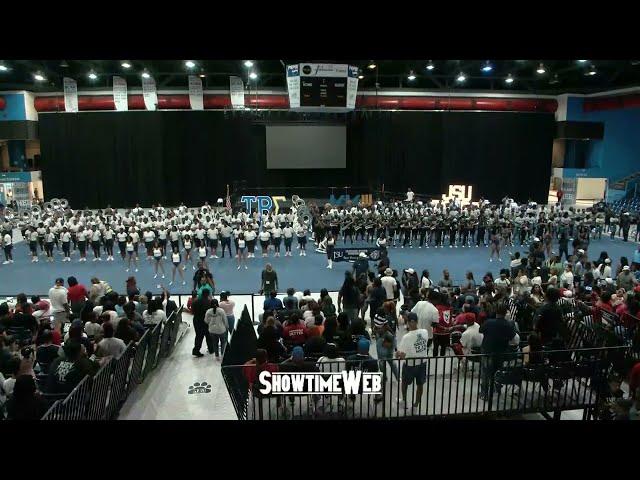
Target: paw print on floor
198,387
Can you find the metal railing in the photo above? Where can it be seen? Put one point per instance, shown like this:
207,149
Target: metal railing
100,397
466,385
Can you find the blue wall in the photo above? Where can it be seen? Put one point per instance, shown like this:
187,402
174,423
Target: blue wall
14,108
618,154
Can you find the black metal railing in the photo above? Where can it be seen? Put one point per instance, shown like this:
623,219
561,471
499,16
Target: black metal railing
100,397
468,385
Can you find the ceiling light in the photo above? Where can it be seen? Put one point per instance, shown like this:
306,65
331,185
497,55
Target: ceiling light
509,79
412,76
582,61
554,80
541,70
430,66
64,64
248,63
487,67
360,77
145,74
202,75
461,77
92,75
371,65
253,75
125,65
3,67
39,77
592,71
190,64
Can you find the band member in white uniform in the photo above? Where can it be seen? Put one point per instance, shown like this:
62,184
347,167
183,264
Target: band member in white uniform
287,233
95,244
49,239
66,244
107,236
301,233
82,244
250,237
264,241
122,243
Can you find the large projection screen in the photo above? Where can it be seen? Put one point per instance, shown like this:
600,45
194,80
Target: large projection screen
306,146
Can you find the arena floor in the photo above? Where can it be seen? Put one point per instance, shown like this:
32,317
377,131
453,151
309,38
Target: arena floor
298,272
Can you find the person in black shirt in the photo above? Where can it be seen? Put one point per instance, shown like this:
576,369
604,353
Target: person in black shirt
26,403
67,372
497,332
548,319
47,352
199,307
202,271
268,341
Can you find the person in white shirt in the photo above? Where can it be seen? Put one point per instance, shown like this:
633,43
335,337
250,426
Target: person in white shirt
471,338
410,195
389,283
121,236
158,264
413,349
95,244
65,237
108,236
264,241
59,303
176,260
287,233
301,233
567,277
250,237
109,347
427,313
132,256
242,251
49,239
212,237
603,271
81,237
186,242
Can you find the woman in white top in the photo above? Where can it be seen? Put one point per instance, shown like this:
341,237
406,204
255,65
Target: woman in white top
81,236
107,237
175,259
287,233
264,241
330,246
186,242
7,243
49,239
157,257
242,251
95,244
131,254
202,254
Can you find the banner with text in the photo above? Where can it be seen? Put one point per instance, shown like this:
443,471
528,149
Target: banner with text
120,98
352,87
195,93
149,93
293,85
70,95
236,91
352,254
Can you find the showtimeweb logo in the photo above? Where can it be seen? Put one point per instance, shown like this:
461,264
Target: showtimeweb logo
350,382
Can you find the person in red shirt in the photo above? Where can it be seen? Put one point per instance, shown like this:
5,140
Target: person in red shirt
560,194
252,369
464,318
295,333
76,295
442,329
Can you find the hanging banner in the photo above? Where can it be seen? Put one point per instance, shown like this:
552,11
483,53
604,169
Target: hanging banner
195,93
70,95
149,93
120,98
293,85
352,87
236,91
353,254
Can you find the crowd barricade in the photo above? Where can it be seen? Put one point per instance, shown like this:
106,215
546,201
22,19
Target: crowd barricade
100,397
456,386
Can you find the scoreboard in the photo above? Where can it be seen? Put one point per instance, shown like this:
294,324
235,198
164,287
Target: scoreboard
322,86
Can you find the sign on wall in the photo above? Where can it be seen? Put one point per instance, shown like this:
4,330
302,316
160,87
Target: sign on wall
236,91
293,85
120,98
70,95
149,93
195,93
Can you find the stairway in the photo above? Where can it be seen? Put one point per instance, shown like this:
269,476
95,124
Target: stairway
622,183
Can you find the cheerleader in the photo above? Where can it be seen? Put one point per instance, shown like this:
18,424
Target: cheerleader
276,239
157,256
32,236
330,246
95,244
108,242
242,247
301,233
495,245
66,244
82,244
264,241
121,236
131,254
202,254
175,259
49,239
135,238
287,233
186,242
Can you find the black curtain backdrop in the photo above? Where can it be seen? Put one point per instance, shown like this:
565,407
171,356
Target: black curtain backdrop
123,158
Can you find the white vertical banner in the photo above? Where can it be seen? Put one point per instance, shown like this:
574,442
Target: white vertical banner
293,85
352,87
236,91
120,97
70,95
149,93
195,93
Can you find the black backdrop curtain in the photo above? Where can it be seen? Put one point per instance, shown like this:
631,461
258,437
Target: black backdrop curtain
123,158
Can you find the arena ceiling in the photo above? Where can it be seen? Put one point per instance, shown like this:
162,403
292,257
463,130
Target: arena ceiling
548,77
